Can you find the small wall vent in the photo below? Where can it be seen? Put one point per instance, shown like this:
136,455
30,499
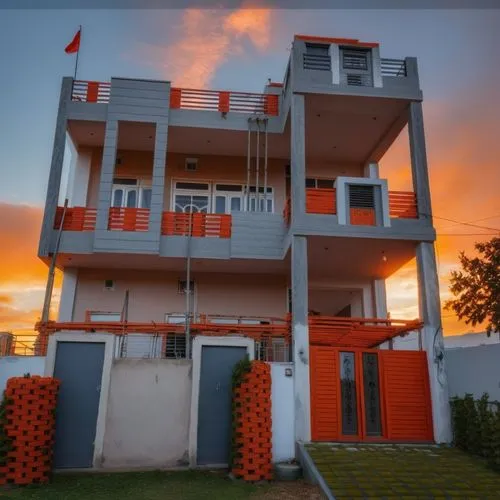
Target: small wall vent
109,285
191,164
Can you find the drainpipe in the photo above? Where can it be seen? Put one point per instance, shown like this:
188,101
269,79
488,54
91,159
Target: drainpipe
257,207
265,166
188,286
52,269
247,201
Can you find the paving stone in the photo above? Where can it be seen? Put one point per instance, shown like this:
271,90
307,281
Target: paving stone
404,472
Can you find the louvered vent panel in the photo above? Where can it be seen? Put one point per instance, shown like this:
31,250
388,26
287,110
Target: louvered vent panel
361,197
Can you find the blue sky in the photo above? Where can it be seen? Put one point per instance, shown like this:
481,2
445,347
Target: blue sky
459,70
456,50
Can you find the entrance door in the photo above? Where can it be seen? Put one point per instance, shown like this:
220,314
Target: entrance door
78,366
360,413
214,407
369,395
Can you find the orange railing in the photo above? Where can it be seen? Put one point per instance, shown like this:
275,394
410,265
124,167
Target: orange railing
224,101
76,219
128,219
202,225
321,201
90,91
357,332
403,204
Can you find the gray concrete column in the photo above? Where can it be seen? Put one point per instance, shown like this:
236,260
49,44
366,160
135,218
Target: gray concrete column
419,161
300,335
379,299
432,340
107,172
298,156
158,179
56,167
68,293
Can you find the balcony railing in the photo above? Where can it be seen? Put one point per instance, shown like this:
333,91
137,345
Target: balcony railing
128,219
224,101
321,201
168,340
76,219
403,205
201,224
393,67
90,91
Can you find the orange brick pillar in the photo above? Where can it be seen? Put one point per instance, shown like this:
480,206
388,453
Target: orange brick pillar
253,433
29,426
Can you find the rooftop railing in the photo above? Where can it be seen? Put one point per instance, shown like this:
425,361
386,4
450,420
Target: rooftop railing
393,67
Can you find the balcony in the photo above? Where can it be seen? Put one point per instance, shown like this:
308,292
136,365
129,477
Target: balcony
197,224
402,205
191,99
272,335
76,219
128,219
224,101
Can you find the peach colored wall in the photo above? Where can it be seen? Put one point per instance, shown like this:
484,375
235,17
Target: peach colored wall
152,294
229,169
325,170
210,168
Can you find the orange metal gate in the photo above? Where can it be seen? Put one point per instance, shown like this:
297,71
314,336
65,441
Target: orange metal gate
369,395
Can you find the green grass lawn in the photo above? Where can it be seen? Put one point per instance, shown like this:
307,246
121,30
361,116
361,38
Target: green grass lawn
188,485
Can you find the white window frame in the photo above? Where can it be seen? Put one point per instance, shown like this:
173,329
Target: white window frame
228,195
139,187
253,196
96,316
212,192
190,192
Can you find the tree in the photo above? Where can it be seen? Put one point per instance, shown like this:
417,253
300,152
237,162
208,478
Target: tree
476,287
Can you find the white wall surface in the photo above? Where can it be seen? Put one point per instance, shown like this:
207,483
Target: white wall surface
474,370
282,412
147,419
17,366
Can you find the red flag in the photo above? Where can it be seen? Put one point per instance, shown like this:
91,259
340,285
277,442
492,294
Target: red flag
74,45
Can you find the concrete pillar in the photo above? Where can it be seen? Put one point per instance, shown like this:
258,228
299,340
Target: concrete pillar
56,167
107,172
300,333
371,171
335,63
298,156
79,175
419,161
68,293
379,299
432,340
158,179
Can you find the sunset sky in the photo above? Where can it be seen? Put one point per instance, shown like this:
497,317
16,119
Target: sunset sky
222,49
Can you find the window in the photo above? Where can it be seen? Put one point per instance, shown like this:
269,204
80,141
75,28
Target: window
228,198
192,197
355,59
320,183
131,193
219,198
104,316
317,49
266,203
356,67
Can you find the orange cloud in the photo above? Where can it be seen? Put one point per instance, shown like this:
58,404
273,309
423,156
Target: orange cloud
206,39
22,275
462,152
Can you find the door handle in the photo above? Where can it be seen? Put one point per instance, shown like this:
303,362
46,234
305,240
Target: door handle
98,388
217,386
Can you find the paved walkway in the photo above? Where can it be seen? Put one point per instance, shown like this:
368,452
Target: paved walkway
406,471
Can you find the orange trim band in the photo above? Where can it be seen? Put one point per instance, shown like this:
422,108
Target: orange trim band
339,41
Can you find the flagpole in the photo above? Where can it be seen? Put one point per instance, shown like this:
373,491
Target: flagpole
78,52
